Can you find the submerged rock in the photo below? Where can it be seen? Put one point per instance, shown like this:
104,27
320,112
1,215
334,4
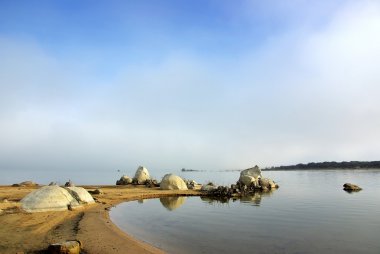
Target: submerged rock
172,182
351,187
141,175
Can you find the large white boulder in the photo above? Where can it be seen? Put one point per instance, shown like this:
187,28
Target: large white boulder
141,175
247,180
254,172
81,195
250,176
172,182
48,198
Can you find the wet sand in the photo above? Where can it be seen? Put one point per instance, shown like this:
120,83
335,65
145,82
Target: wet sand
33,232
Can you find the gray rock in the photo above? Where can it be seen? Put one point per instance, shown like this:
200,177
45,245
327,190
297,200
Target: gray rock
208,187
351,187
97,192
69,184
124,180
250,176
267,183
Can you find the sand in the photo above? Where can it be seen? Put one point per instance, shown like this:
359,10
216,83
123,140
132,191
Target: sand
33,232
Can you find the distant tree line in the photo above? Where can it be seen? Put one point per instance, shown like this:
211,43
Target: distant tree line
332,165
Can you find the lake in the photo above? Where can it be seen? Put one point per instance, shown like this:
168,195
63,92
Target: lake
309,213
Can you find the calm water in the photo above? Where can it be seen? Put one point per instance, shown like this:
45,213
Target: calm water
310,213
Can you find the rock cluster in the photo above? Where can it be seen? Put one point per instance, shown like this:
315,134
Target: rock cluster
142,177
151,183
25,184
250,181
124,180
192,185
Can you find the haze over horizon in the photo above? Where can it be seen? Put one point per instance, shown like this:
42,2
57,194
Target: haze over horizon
96,86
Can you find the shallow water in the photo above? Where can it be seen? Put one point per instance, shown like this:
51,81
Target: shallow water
310,213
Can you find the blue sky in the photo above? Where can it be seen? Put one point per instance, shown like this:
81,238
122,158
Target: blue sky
104,85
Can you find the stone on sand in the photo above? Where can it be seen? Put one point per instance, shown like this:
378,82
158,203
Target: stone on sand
172,182
81,195
141,175
48,198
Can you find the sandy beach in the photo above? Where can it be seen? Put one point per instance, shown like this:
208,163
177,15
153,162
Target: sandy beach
23,232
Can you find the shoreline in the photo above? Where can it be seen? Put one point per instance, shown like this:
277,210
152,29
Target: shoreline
33,232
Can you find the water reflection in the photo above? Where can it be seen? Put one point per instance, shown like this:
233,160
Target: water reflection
172,203
252,198
255,198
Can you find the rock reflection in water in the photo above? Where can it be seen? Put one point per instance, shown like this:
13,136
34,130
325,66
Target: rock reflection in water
251,198
255,198
172,203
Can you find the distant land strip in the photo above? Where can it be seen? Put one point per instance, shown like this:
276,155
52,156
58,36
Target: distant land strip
331,165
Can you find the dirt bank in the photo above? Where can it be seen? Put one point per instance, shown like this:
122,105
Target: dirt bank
33,232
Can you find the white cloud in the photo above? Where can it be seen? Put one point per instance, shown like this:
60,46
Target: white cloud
308,95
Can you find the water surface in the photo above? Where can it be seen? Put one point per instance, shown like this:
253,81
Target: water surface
310,213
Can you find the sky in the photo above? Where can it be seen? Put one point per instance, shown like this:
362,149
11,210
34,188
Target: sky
91,87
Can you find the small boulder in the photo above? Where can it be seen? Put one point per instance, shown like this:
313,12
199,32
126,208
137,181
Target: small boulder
81,195
97,192
267,183
124,180
25,184
152,183
351,187
69,184
208,187
193,185
68,247
172,182
141,175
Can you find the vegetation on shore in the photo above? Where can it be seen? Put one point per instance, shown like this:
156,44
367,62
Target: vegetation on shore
331,165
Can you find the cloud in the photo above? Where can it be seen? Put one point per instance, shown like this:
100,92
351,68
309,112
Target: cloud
306,95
